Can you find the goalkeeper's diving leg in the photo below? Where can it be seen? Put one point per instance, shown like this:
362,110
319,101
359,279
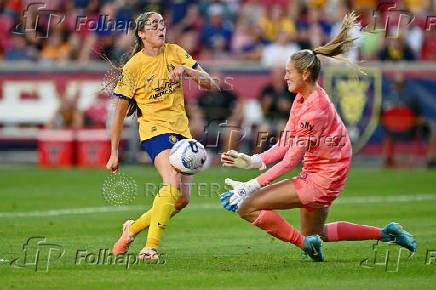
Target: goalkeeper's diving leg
258,210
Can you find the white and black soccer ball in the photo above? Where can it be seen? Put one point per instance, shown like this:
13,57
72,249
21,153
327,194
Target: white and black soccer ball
188,156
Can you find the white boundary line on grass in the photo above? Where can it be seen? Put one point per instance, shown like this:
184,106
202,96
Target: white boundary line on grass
92,210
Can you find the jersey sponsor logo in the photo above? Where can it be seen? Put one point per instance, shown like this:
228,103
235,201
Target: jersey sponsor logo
172,139
168,87
357,101
306,125
170,67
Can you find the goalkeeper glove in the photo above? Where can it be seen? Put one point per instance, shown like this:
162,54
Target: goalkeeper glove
233,199
233,158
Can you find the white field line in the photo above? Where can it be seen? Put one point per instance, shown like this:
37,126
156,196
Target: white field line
215,205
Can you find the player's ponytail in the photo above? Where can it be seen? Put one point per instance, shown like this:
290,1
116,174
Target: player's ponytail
307,60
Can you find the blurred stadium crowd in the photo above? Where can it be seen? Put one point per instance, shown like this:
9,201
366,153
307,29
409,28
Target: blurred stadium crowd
260,30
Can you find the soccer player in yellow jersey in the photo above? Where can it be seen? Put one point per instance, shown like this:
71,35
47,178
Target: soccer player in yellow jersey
151,86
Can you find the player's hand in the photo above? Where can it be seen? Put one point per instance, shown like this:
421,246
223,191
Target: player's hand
177,73
112,164
225,201
233,199
233,158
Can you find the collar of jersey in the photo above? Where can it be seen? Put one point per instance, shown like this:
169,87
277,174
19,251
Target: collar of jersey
146,55
299,97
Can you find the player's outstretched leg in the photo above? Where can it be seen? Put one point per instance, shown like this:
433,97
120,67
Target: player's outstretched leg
163,208
282,195
132,228
141,223
345,231
275,225
123,243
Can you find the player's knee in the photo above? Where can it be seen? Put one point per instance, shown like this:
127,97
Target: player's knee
181,203
246,214
242,213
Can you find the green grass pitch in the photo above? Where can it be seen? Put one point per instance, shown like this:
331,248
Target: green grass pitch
206,246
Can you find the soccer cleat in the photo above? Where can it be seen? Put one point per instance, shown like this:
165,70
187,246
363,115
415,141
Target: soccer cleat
122,245
394,233
312,248
148,253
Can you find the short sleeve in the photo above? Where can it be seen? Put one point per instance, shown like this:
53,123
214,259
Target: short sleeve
185,58
126,85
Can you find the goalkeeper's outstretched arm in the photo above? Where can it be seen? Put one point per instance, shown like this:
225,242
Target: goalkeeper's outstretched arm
233,158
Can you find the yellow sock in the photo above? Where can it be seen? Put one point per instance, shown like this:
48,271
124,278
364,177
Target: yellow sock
142,223
162,210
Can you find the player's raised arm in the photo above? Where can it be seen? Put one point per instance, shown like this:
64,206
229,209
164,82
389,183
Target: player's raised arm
199,75
233,158
202,78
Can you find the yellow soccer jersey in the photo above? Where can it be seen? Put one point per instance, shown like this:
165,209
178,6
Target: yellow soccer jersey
145,79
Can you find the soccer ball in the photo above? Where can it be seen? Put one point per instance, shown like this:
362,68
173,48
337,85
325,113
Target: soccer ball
188,156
